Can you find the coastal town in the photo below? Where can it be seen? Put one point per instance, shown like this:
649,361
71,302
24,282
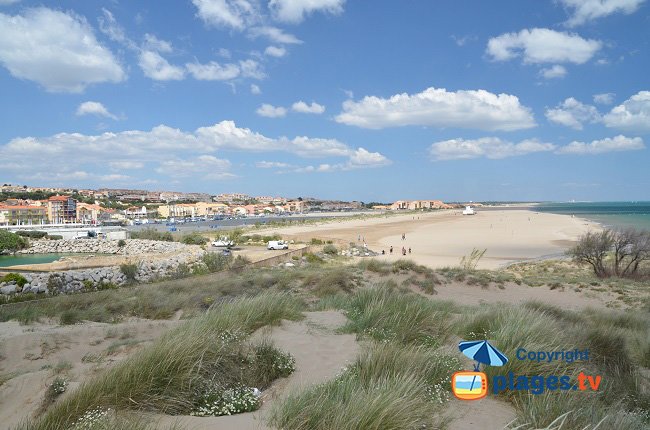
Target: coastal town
24,205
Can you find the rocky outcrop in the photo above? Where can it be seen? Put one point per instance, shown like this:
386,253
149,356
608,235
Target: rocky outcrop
147,264
97,246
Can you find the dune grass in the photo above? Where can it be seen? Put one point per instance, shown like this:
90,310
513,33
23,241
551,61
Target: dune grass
388,387
165,376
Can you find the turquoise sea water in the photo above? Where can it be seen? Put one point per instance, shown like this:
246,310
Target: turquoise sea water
14,260
609,214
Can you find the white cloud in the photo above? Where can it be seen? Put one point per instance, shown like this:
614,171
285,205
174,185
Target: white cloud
589,10
364,158
166,149
295,11
274,34
275,51
488,147
213,71
126,165
109,26
604,98
572,113
303,107
255,90
251,69
615,144
94,108
55,49
270,111
439,108
201,165
272,165
633,115
152,43
235,14
8,2
541,45
157,68
554,72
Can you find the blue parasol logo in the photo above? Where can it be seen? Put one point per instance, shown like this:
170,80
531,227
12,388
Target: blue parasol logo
473,385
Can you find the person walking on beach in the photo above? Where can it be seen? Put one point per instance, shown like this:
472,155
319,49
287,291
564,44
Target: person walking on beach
391,250
409,250
403,251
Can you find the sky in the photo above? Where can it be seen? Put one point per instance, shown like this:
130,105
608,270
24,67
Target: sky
341,99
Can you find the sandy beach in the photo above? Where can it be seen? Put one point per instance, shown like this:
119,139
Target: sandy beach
439,239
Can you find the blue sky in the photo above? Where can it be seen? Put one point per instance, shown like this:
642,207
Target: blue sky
372,101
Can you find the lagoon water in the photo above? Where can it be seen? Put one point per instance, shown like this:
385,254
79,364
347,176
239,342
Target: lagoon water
14,260
609,214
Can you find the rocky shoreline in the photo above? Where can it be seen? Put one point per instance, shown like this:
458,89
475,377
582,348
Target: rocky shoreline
147,269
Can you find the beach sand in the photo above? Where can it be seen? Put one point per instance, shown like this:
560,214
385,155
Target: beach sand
439,239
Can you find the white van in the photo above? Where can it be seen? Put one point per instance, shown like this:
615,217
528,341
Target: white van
277,244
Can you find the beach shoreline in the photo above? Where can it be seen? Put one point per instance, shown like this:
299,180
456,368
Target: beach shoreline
442,238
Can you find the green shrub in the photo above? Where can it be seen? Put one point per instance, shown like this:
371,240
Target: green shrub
69,317
15,277
215,262
32,234
330,250
313,258
240,261
12,242
129,270
121,243
152,234
194,239
315,241
54,237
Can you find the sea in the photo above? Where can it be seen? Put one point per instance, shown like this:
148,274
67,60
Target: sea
608,214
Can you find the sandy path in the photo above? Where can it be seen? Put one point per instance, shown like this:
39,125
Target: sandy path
32,352
440,239
320,355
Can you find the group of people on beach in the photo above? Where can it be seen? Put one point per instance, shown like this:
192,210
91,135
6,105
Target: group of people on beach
405,250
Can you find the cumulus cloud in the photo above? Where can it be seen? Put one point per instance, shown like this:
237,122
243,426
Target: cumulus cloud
234,14
94,108
168,150
589,10
633,115
55,49
542,45
438,107
201,165
251,69
255,90
270,111
553,72
488,147
615,144
126,165
274,34
295,11
152,43
155,67
8,2
109,26
572,113
272,165
213,71
303,107
276,51
604,98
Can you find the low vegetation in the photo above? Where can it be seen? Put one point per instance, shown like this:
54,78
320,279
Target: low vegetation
176,373
620,253
11,242
150,233
401,380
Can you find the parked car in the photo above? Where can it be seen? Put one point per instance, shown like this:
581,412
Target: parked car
223,242
277,244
